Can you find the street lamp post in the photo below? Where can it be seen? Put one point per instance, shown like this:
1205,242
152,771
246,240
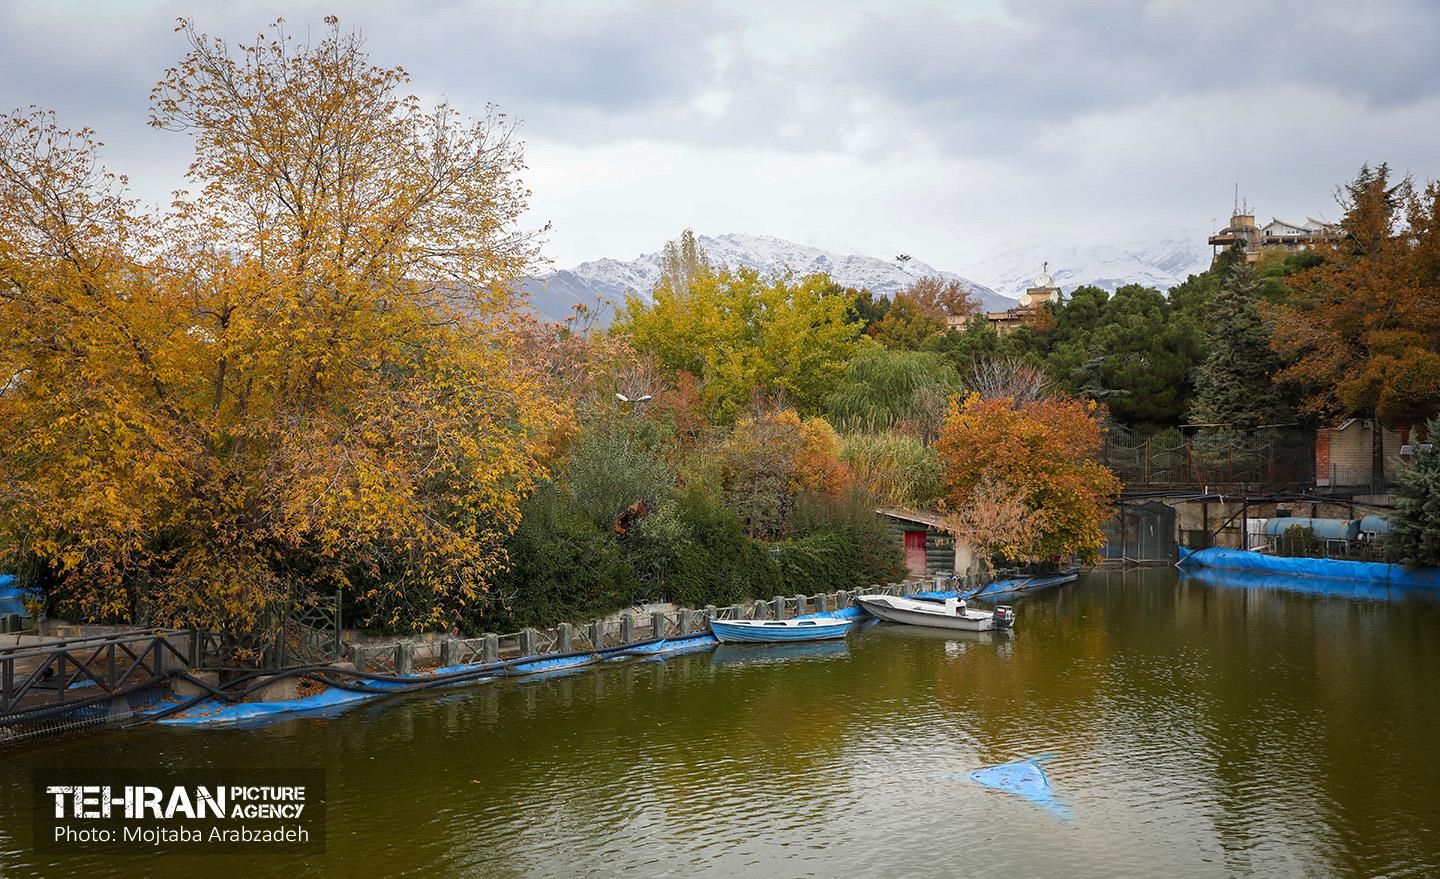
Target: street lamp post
635,403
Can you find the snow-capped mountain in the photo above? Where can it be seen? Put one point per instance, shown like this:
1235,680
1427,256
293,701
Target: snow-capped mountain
1161,264
606,281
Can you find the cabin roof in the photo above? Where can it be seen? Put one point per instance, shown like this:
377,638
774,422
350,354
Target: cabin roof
932,518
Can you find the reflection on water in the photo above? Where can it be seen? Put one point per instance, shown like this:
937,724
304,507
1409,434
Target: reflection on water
1197,731
761,654
1222,578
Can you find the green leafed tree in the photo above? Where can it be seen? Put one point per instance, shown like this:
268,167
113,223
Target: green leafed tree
1133,351
1416,521
1234,386
883,388
745,335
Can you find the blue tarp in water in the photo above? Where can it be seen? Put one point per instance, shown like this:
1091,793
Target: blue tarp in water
216,713
1023,778
1378,573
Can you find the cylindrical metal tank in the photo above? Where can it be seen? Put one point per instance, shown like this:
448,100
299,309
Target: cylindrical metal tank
1324,529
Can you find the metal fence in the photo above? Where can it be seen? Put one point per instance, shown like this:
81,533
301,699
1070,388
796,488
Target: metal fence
1199,458
77,682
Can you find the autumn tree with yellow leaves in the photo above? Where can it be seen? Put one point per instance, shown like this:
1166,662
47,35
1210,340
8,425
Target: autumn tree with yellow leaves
745,336
297,378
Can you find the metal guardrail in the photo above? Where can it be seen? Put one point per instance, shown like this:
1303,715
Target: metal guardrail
73,673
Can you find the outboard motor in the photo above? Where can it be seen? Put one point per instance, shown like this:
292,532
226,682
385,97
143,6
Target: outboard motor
1004,616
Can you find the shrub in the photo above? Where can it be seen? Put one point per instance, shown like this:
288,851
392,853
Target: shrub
820,562
1298,541
615,465
696,553
562,567
895,468
877,557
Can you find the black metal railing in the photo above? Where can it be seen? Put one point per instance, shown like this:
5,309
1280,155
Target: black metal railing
74,673
1203,458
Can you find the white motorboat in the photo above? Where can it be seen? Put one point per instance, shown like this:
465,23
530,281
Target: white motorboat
951,613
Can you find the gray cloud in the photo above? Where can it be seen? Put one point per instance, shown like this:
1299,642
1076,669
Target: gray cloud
949,126
1054,61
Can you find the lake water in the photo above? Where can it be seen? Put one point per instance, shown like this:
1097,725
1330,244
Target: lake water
1196,730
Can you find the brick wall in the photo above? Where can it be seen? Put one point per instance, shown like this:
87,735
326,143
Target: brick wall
1342,456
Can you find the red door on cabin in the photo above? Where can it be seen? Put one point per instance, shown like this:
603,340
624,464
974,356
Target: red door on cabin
915,552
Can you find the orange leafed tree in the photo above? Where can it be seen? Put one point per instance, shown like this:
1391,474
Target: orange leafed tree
299,378
772,458
1041,453
922,310
1362,328
994,519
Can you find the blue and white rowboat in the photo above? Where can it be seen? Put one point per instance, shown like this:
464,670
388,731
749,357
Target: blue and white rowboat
770,631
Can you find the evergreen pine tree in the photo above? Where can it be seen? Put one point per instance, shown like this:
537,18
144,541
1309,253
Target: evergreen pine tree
1416,520
1234,384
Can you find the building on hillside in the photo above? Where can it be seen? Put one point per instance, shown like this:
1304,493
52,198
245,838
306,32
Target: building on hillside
1275,235
1042,291
929,547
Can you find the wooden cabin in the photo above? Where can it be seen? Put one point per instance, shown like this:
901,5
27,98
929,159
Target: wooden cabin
929,548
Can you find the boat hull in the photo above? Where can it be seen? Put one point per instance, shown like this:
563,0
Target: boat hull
748,632
890,611
1024,585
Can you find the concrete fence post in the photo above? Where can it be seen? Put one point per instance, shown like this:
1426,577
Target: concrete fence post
758,610
659,626
565,638
405,658
800,605
490,647
711,612
529,642
597,634
627,627
359,656
449,653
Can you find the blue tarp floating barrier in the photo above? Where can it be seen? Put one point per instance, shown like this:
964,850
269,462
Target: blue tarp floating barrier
214,712
1376,573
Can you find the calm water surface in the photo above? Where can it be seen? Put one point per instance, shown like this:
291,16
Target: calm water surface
1198,730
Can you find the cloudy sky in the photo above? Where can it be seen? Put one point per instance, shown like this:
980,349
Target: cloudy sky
941,129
